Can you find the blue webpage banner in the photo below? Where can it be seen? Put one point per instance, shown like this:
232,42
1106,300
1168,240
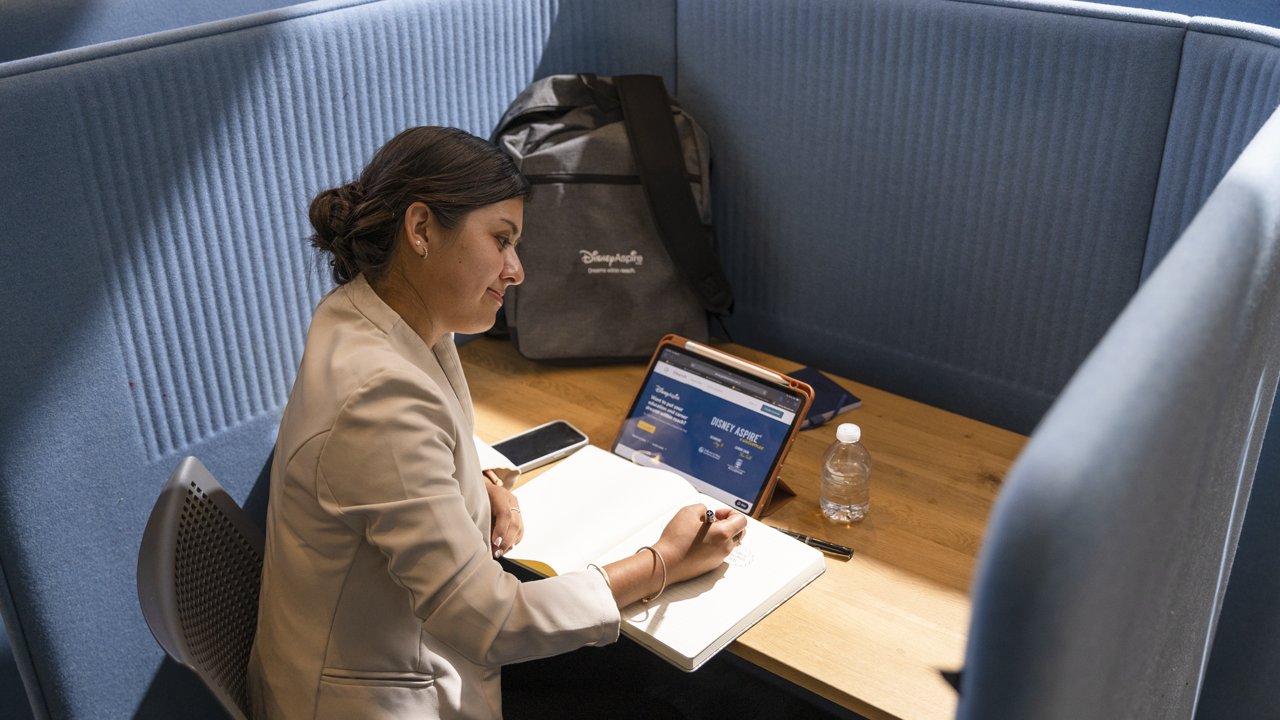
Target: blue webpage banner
719,439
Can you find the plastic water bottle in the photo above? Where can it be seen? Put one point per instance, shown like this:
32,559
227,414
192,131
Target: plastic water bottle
846,476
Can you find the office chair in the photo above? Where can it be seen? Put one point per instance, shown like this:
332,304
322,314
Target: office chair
199,570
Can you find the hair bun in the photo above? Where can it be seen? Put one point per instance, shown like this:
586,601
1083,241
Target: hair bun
352,193
333,213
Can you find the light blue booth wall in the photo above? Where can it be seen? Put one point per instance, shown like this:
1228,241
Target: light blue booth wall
37,27
1261,12
1105,559
949,201
1229,85
154,196
1239,679
954,201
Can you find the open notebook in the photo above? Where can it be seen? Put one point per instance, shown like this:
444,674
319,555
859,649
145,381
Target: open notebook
596,507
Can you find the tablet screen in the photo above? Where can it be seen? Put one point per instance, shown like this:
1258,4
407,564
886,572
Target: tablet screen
720,429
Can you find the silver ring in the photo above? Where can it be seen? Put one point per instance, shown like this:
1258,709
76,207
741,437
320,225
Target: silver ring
517,510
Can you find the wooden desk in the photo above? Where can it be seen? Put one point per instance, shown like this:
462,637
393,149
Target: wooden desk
871,633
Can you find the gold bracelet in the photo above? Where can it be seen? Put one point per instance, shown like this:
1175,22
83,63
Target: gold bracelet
664,573
603,574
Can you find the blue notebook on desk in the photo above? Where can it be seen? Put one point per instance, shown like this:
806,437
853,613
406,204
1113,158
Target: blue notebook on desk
829,399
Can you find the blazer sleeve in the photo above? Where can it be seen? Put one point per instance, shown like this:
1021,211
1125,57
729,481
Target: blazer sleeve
501,466
388,471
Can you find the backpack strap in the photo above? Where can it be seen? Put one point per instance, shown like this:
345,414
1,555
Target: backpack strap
651,126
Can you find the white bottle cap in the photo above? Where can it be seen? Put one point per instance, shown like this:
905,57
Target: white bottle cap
848,433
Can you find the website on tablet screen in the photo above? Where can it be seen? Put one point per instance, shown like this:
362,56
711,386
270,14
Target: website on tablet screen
718,429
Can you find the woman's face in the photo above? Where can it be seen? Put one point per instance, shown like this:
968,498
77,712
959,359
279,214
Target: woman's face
467,270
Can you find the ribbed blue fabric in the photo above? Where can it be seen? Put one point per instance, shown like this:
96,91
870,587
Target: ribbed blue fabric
1128,12
949,200
1238,681
1227,88
36,27
1262,12
945,200
623,37
134,43
155,199
1106,556
1246,645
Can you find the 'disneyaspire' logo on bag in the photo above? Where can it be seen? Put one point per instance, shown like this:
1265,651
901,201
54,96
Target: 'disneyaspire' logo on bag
593,257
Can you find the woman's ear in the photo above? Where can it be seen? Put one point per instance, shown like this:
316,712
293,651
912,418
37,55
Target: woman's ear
417,219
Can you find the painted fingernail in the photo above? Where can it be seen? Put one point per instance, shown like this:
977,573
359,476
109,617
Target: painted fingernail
497,542
498,554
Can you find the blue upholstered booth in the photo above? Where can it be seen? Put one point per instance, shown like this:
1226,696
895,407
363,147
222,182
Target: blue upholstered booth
37,27
950,200
1107,555
156,191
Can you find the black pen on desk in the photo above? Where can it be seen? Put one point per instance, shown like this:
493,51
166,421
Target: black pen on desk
827,547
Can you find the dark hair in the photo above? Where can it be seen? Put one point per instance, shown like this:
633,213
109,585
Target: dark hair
452,171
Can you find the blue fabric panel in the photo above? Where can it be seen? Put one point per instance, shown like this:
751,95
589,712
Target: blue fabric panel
1239,682
36,27
1125,13
111,48
13,692
942,199
1262,12
154,195
613,37
578,36
1106,556
1229,85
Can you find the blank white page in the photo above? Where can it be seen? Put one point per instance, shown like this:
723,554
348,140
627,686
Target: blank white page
583,507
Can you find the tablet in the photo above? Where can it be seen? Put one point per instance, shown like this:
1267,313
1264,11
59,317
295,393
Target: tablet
721,422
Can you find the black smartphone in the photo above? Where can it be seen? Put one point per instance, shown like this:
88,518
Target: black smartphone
541,445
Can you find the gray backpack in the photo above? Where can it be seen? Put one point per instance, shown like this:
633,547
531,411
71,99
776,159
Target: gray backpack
618,248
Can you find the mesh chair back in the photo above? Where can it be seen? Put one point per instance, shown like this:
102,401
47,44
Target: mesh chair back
199,571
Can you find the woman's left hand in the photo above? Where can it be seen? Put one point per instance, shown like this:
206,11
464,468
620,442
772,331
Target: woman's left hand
508,523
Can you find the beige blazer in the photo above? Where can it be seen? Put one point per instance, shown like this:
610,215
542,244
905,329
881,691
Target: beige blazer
380,598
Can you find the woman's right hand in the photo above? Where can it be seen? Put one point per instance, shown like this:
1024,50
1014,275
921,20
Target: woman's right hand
692,547
689,547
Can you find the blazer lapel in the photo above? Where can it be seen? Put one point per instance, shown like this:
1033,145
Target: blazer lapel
446,354
441,363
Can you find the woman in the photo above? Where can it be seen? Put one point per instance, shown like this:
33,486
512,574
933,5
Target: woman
381,597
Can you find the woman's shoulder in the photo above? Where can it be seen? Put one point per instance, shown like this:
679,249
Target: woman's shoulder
348,342
351,363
